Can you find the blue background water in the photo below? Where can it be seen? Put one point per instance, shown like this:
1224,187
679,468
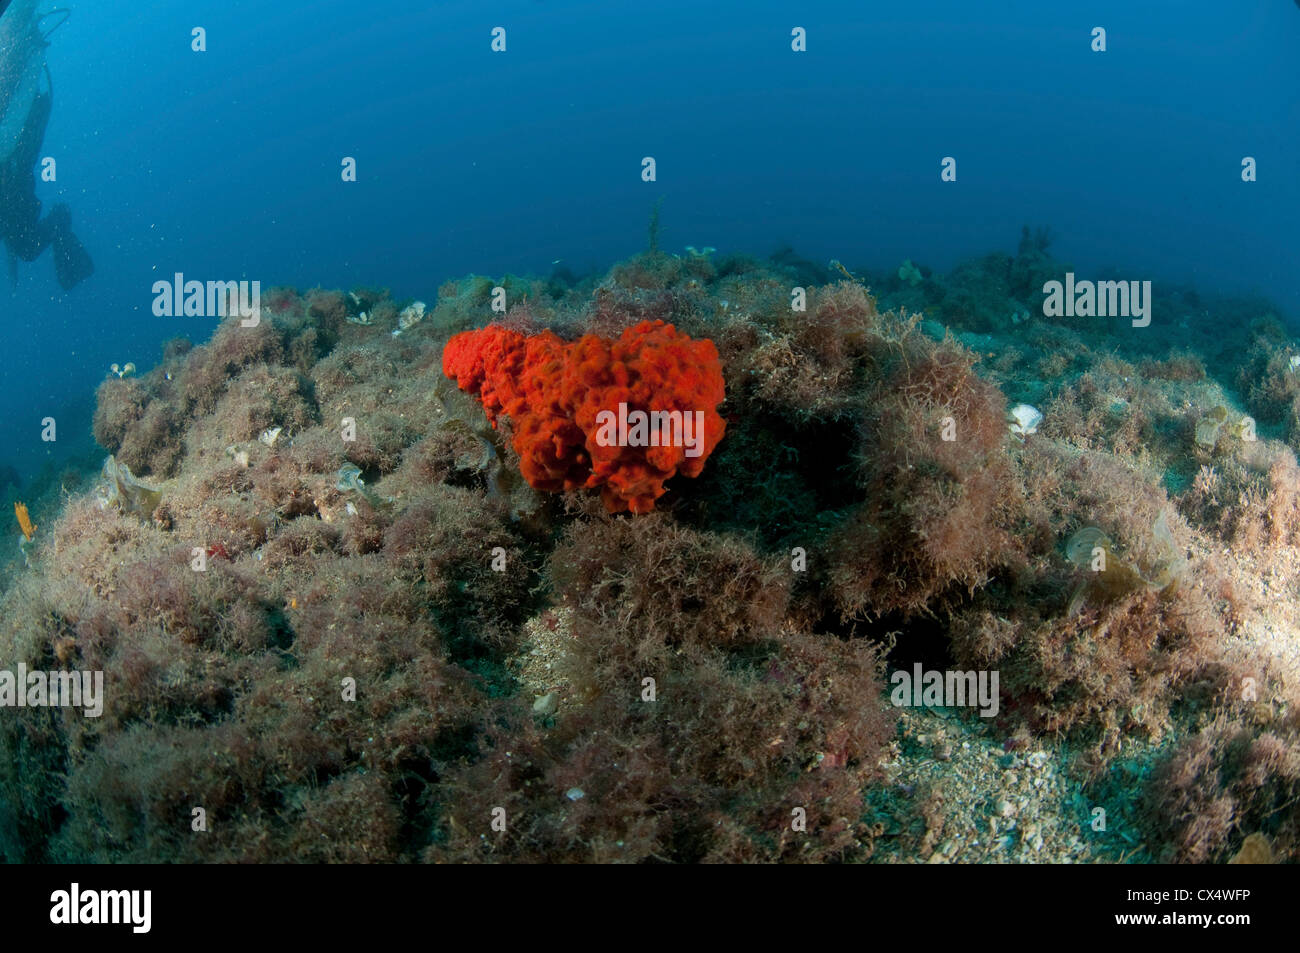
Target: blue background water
225,164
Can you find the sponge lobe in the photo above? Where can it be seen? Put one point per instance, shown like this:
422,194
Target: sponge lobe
555,393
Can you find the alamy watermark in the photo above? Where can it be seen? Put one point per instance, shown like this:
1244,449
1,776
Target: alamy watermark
656,428
933,688
77,906
1100,299
212,299
24,689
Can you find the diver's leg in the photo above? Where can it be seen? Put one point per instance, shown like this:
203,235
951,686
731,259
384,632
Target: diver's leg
72,263
23,230
26,153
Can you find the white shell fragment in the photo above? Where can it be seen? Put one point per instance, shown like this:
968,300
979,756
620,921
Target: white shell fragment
411,315
270,435
1024,420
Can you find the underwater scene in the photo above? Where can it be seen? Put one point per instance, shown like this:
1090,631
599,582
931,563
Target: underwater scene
576,432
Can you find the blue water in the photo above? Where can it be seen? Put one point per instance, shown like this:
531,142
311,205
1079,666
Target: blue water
226,164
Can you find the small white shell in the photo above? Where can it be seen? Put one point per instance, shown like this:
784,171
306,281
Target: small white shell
1024,420
411,315
270,435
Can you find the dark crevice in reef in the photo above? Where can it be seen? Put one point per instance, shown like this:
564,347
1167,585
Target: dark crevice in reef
477,645
280,635
922,639
772,480
908,639
415,779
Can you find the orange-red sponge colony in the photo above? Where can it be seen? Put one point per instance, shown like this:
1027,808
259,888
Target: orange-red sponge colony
622,415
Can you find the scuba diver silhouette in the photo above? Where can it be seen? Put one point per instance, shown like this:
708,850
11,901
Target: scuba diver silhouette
23,232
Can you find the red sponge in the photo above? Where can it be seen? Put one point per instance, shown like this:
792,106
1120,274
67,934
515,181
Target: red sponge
622,415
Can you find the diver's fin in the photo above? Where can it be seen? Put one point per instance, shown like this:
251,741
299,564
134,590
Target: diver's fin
45,34
72,263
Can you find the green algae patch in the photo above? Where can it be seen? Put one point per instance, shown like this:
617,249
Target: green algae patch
1208,427
1112,576
127,493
